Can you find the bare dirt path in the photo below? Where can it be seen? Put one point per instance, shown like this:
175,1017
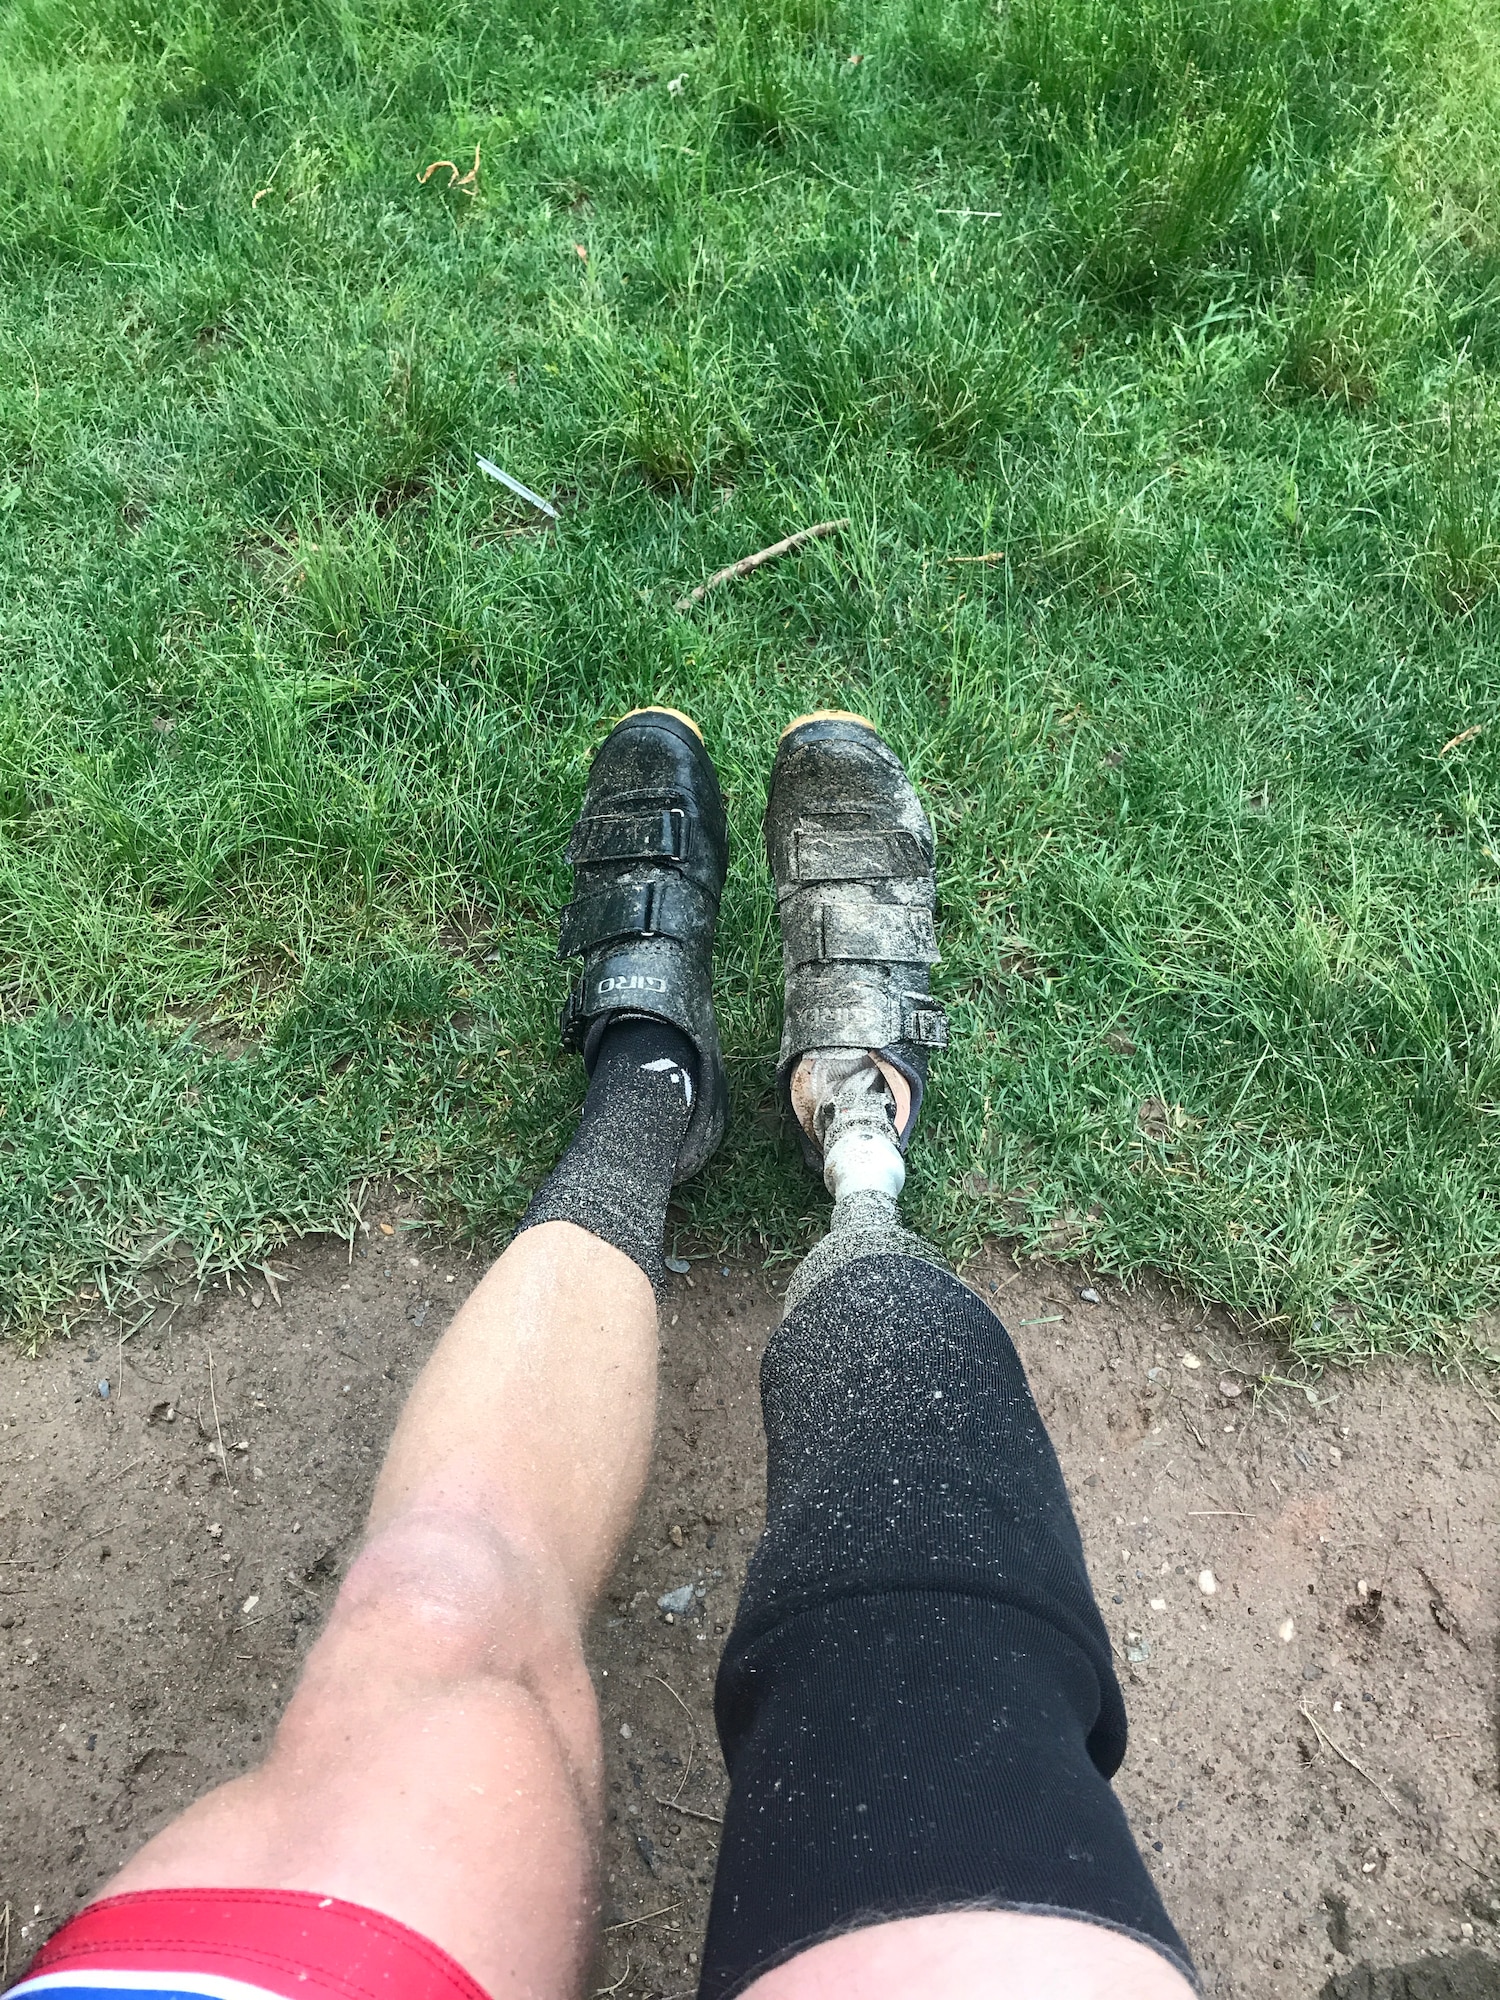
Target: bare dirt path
1314,1771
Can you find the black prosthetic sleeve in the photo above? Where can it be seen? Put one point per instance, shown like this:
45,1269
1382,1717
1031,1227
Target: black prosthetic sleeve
916,1704
615,1179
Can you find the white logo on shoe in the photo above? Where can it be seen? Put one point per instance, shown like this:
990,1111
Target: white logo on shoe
636,983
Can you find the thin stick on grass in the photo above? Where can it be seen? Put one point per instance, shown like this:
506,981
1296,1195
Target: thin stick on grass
747,564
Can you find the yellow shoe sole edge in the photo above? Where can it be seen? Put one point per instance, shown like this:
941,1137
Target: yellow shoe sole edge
660,708
828,715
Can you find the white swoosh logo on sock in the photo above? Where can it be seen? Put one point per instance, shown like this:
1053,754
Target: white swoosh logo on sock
678,1075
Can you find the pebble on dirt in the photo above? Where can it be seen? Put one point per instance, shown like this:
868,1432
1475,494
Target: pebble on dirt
676,1601
1208,1583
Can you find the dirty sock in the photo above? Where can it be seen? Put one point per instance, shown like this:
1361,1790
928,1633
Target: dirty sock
864,1224
917,1704
615,1179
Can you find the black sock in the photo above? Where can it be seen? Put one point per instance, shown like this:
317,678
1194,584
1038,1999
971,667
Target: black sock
615,1179
917,1703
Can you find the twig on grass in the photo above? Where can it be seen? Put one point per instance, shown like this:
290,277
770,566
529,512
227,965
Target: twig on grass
455,178
1353,1762
498,473
1463,736
994,556
747,564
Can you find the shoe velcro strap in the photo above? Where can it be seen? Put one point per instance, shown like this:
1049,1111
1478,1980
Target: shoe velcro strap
923,1022
857,854
650,833
866,933
864,1018
668,907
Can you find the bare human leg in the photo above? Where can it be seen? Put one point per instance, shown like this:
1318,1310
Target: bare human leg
440,1759
439,1762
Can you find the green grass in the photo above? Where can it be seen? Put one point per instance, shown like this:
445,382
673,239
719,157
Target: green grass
1191,308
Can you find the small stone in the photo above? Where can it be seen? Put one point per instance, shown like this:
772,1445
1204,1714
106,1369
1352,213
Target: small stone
1208,1583
1089,1296
1138,1654
257,1298
674,1536
626,1731
250,1603
1158,1604
104,1390
1191,1361
676,1601
680,1265
215,1531
1286,1631
1231,1386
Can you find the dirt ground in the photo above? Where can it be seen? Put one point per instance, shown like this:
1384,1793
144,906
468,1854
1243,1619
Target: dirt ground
1314,1772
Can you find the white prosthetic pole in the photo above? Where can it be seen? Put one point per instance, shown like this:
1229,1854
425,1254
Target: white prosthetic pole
853,1115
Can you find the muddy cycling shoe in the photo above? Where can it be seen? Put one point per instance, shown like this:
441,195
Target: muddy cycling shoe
649,854
851,853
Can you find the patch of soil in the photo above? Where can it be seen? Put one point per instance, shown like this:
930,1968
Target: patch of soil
1313,1771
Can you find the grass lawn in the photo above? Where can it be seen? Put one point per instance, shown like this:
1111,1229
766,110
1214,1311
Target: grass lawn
1184,313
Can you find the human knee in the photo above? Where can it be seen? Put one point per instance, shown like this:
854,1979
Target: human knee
449,1596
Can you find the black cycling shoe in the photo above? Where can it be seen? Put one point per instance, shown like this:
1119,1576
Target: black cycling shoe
851,853
649,855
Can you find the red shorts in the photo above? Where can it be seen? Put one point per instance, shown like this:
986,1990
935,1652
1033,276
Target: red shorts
240,1944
